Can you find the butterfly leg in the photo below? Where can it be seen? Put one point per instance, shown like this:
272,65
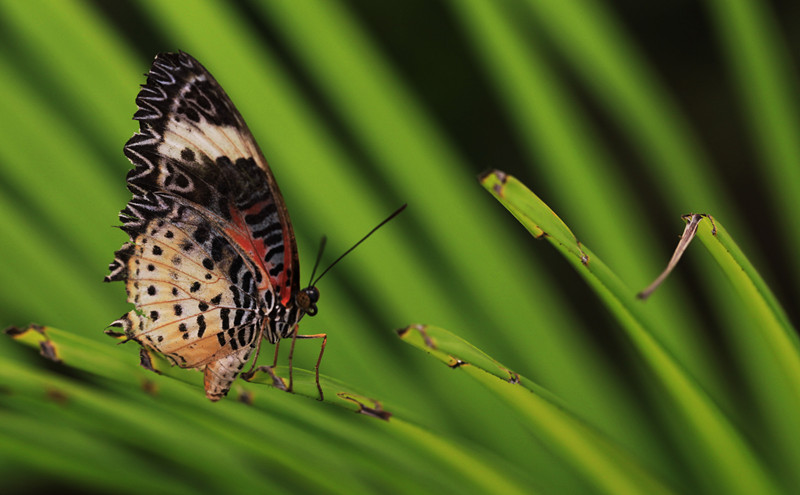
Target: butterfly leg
247,375
295,336
277,381
275,359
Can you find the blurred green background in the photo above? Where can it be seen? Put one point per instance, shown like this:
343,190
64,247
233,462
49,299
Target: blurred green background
620,115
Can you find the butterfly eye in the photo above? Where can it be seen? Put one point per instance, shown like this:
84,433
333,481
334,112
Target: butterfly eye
313,294
307,299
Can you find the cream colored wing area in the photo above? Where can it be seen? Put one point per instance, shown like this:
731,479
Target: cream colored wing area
205,139
194,295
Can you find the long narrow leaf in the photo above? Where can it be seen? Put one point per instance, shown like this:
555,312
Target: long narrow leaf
707,433
594,457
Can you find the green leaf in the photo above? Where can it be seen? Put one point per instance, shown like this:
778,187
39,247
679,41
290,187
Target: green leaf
707,432
604,464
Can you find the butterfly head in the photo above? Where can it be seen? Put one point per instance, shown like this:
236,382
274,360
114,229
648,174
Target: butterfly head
307,299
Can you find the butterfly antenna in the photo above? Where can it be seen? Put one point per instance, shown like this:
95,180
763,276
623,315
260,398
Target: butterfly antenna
319,258
396,212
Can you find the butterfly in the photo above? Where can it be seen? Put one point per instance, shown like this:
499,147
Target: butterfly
211,265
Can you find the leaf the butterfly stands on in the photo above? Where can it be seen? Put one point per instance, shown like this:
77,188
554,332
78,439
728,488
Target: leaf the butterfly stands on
211,265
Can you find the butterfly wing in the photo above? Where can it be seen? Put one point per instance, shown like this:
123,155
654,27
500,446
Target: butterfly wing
211,248
194,292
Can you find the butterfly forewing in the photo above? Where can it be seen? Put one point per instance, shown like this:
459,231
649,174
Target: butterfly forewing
189,130
212,255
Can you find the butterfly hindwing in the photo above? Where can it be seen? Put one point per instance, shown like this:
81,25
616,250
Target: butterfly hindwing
195,294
